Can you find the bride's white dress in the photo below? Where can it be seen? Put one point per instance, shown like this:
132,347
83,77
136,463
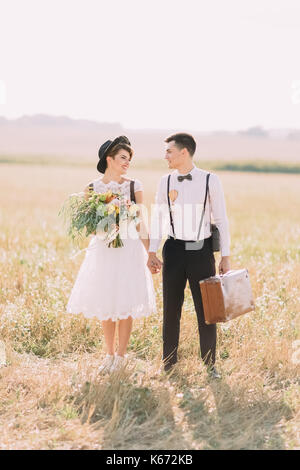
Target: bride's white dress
114,283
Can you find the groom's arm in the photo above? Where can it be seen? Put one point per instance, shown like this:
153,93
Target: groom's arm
218,210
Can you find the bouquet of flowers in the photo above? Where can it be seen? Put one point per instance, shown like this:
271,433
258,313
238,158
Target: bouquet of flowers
100,214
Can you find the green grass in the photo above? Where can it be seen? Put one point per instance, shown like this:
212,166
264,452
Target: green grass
51,395
258,166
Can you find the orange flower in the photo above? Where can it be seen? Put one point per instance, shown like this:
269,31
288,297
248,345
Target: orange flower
109,197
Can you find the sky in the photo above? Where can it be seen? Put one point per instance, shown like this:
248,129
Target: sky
194,65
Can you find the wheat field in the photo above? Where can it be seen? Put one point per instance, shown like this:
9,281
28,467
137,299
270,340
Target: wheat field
50,394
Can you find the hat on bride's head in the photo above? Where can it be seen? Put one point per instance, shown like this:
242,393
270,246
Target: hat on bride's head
106,147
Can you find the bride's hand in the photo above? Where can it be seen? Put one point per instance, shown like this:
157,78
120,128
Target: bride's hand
154,264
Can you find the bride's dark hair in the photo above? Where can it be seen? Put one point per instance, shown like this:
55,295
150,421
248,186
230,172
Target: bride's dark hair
113,152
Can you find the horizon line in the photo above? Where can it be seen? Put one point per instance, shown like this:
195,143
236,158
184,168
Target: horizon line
254,127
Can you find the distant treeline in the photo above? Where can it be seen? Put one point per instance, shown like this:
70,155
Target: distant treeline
261,167
258,166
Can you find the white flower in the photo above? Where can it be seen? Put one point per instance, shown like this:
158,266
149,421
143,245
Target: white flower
116,202
110,208
81,194
133,210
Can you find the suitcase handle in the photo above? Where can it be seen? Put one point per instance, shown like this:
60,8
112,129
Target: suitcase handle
230,271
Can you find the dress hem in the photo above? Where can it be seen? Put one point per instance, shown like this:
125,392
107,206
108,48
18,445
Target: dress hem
115,317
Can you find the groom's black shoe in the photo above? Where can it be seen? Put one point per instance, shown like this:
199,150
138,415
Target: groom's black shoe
213,373
165,370
168,366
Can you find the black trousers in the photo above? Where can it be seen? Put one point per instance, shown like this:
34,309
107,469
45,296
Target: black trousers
180,265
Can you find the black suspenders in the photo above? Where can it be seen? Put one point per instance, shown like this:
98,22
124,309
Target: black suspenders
170,212
203,211
132,193
204,205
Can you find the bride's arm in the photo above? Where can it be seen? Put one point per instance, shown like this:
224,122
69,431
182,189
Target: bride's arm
142,226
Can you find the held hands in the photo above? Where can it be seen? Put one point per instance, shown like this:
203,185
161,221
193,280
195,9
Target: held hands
224,265
154,264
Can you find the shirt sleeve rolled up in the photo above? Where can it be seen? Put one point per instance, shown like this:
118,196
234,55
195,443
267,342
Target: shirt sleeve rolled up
218,211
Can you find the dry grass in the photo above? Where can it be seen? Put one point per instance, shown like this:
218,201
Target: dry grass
50,394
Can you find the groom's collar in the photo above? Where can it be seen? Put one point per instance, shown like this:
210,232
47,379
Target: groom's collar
192,172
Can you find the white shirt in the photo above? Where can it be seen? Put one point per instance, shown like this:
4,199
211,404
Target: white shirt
187,209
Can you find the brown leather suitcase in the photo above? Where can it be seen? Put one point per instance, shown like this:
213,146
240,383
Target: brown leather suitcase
227,296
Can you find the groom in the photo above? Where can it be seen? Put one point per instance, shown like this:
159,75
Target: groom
183,259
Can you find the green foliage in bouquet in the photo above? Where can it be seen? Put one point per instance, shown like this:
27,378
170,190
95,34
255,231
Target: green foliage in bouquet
83,215
100,213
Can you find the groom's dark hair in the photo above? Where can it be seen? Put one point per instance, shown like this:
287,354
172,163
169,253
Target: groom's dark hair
183,141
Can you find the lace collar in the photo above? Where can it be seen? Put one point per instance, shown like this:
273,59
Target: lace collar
115,183
113,186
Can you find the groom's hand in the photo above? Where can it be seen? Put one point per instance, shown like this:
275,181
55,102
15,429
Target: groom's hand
154,264
224,265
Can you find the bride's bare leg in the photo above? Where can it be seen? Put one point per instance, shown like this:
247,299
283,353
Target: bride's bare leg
125,327
109,330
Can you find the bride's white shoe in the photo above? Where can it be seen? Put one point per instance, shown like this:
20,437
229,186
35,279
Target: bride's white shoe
119,363
106,364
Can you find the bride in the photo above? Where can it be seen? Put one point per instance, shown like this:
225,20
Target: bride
114,284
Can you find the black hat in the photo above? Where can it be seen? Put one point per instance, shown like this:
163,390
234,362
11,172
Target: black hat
104,149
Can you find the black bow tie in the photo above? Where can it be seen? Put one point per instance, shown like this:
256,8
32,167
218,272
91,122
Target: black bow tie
186,177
